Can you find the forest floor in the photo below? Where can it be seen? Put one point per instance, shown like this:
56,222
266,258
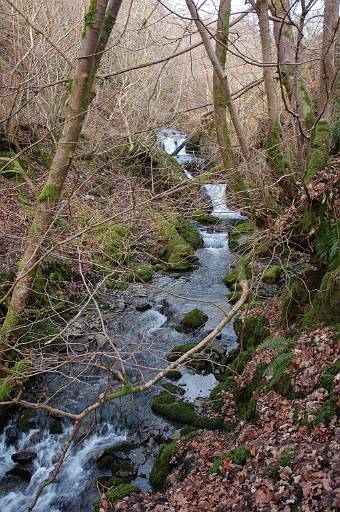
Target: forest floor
284,458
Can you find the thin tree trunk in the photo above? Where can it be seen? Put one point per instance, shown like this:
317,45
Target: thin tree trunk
99,20
285,44
221,75
327,66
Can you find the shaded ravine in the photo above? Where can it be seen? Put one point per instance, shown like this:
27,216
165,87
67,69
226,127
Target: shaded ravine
152,334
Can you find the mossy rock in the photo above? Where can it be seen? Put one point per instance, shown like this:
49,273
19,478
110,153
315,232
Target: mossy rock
27,420
182,412
325,306
178,350
14,170
205,218
162,466
173,389
189,233
173,375
252,329
272,274
242,236
117,243
193,320
179,255
240,271
121,491
144,273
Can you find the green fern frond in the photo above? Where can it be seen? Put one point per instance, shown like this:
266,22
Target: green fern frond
275,343
279,365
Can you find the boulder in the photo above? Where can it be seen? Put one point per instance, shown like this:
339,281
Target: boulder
24,456
24,471
193,320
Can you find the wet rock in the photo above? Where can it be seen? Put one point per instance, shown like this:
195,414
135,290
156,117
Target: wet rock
143,305
24,471
101,341
120,306
56,426
123,468
24,456
12,435
27,420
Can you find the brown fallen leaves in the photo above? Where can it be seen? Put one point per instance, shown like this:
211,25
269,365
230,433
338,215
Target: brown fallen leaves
308,483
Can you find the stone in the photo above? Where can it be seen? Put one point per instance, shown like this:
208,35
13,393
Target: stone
12,435
24,471
24,456
143,305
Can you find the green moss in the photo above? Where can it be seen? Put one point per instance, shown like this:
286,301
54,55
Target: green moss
144,273
216,393
245,396
189,233
96,504
48,194
272,274
205,218
193,320
327,377
179,255
325,306
12,171
121,491
216,466
90,17
319,152
252,329
173,375
172,389
162,466
326,412
278,366
239,455
275,343
242,236
179,350
181,412
285,459
27,420
239,272
275,156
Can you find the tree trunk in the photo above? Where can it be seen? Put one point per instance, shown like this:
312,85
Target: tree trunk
221,75
234,177
99,20
327,65
284,39
320,143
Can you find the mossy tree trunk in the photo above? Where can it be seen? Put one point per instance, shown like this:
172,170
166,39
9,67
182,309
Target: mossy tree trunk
321,138
98,23
235,180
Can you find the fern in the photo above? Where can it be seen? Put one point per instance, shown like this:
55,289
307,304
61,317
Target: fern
279,365
327,244
275,343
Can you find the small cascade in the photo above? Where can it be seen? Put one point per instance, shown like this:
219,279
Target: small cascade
74,475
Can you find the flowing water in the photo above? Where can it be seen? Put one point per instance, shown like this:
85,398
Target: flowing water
150,332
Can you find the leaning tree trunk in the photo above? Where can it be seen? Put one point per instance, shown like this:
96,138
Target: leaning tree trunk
99,21
222,76
234,177
321,139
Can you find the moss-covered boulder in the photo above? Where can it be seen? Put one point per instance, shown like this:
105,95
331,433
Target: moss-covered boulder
252,330
189,233
325,306
173,375
178,350
179,255
162,466
144,273
242,236
205,218
179,411
192,320
121,491
272,274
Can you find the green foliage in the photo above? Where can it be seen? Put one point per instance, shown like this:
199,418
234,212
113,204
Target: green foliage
327,377
275,343
19,371
144,273
319,152
216,466
252,329
284,460
179,350
272,274
121,491
336,136
242,236
13,170
239,455
193,320
327,243
216,393
326,412
279,365
48,194
162,466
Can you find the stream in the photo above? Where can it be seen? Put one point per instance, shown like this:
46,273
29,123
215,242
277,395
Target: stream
148,334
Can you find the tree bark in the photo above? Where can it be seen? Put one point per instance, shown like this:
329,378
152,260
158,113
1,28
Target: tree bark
222,77
99,21
327,65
